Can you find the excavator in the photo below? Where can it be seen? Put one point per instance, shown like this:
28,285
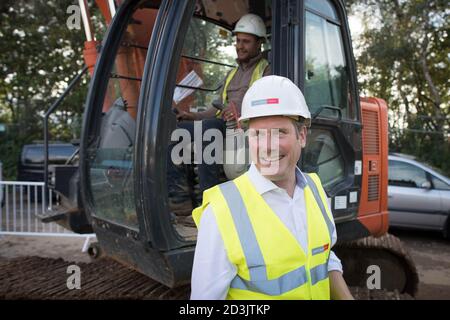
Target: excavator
160,56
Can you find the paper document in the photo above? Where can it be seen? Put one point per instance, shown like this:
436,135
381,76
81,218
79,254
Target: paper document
191,80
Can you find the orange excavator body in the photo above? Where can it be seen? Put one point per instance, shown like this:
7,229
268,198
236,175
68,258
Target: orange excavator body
373,206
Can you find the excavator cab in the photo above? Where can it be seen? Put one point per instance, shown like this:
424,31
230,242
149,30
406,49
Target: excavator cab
161,55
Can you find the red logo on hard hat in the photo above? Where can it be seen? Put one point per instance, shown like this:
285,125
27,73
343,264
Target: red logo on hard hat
325,247
273,101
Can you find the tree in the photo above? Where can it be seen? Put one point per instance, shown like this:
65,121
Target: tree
405,60
39,55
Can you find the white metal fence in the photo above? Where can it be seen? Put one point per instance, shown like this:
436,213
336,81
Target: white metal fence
22,203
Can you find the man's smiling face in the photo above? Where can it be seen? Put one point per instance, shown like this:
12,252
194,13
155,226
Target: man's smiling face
247,46
276,145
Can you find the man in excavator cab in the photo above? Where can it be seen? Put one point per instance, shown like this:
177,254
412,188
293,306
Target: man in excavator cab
250,33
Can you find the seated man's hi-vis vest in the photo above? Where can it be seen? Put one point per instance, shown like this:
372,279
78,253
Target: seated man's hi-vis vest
270,262
257,74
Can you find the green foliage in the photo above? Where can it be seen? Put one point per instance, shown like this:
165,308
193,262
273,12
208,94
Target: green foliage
39,56
9,152
404,59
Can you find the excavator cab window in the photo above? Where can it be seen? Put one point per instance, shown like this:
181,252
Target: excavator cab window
324,157
111,152
207,56
326,71
329,94
333,147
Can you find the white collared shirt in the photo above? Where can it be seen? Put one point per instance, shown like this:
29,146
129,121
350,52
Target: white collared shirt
213,272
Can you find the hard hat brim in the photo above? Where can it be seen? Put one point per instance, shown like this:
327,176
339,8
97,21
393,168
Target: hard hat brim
234,32
307,120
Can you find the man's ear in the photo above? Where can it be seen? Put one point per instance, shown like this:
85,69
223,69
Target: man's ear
260,42
303,134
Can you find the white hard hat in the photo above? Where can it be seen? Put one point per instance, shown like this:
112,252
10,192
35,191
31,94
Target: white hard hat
252,24
274,96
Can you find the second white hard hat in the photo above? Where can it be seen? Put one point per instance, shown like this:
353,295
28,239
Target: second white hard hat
252,24
274,96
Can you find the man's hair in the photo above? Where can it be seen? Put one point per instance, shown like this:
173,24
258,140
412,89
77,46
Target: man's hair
262,39
298,125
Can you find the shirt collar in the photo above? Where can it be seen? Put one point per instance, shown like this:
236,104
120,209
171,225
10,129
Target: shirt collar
263,185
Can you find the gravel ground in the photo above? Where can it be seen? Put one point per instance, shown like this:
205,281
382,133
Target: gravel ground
429,250
68,249
431,253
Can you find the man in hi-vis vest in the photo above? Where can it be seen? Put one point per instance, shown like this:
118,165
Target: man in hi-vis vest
250,33
268,234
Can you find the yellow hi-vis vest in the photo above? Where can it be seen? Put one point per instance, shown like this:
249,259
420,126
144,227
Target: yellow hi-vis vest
270,262
257,74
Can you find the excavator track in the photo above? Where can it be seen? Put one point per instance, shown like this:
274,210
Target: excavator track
397,269
44,278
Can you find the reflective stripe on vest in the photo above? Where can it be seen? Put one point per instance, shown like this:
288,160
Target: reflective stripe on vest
258,73
252,251
316,194
259,282
319,273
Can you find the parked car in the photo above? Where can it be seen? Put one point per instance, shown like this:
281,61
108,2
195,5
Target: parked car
419,196
31,162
